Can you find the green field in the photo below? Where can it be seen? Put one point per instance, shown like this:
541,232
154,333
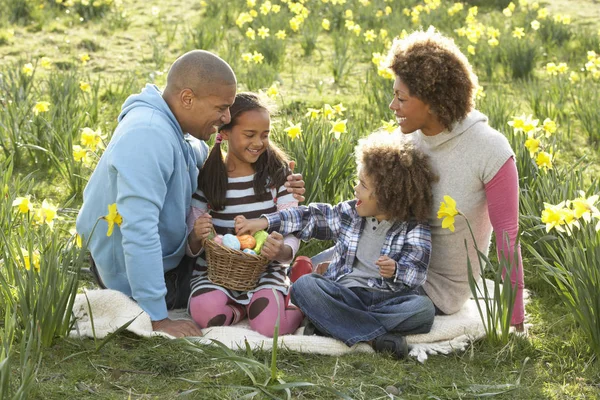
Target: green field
69,65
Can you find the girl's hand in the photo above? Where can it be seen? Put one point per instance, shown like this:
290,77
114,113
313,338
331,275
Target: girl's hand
202,228
273,246
295,184
387,266
245,226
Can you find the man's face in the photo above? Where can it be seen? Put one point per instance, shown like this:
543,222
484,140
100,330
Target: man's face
209,111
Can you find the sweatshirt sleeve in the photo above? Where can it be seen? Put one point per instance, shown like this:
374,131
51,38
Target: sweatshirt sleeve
143,168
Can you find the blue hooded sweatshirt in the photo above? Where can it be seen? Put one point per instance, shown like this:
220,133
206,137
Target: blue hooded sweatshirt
150,170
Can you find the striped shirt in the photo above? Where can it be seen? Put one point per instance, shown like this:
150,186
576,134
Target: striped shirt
408,243
242,200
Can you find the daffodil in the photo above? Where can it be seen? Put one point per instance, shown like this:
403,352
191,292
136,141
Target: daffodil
390,126
113,217
339,109
24,204
41,107
518,33
30,259
549,127
45,63
544,160
46,214
447,211
257,57
84,58
325,24
471,49
91,138
294,130
85,87
281,35
265,8
533,145
328,111
79,153
313,113
272,91
27,69
338,127
554,216
247,57
77,237
370,35
263,32
250,34
535,24
585,207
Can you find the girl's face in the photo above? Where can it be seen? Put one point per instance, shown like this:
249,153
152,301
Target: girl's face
366,205
413,114
248,138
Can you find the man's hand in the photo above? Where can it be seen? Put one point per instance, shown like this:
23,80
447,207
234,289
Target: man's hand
178,328
273,247
322,267
202,228
295,184
387,266
245,226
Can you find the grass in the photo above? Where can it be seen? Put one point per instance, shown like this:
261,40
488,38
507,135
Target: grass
554,362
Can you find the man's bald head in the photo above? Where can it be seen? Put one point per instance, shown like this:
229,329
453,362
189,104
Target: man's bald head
199,70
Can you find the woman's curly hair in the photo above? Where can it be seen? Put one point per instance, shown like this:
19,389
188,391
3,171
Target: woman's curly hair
435,71
401,175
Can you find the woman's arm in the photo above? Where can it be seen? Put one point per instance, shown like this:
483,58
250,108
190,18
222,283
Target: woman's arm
502,193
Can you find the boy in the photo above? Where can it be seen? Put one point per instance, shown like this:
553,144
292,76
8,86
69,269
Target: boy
383,243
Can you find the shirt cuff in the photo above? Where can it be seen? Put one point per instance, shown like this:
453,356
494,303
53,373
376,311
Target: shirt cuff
274,221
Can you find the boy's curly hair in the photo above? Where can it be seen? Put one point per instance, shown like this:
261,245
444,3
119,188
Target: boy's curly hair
401,175
435,70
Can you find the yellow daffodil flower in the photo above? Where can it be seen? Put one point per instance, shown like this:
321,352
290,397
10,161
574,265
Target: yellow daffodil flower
281,35
585,207
533,145
272,91
554,216
338,127
85,87
518,33
78,241
90,138
250,34
549,127
27,69
535,24
41,107
45,63
46,214
325,24
370,35
313,113
390,126
247,57
29,259
257,57
294,130
84,58
113,217
447,211
328,111
544,160
24,204
263,32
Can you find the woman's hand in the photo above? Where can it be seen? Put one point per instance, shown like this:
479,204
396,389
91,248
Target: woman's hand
245,226
202,228
295,184
387,266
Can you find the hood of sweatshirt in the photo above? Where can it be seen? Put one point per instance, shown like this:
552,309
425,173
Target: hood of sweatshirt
150,97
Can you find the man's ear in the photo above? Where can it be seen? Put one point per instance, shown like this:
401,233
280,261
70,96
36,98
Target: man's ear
187,98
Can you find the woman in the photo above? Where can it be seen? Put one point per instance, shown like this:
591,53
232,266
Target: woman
433,101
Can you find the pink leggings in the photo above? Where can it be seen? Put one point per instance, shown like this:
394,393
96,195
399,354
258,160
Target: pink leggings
215,308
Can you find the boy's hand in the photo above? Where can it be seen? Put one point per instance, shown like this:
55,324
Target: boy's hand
273,246
295,184
387,266
202,228
245,226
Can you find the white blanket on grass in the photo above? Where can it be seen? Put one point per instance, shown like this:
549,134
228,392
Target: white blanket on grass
112,309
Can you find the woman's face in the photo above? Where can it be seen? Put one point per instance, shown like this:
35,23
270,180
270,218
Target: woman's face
412,114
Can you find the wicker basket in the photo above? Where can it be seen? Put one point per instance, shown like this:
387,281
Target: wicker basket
233,269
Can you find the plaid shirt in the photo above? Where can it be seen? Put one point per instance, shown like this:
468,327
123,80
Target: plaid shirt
408,243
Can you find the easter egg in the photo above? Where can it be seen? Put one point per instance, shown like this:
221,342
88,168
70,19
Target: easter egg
231,241
249,251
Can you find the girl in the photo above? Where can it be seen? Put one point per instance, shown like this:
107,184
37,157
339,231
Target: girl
249,181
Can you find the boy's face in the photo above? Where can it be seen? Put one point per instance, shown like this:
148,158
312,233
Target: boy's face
366,206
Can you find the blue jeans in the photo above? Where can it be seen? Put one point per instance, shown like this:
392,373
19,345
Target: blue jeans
358,314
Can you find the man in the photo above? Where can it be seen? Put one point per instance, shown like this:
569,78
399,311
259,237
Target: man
150,170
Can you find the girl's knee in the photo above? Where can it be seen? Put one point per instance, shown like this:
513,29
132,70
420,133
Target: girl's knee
208,309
